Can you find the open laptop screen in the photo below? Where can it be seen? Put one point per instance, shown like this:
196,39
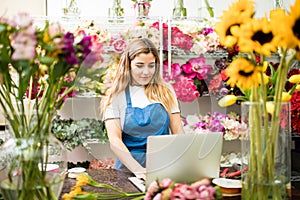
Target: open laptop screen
183,157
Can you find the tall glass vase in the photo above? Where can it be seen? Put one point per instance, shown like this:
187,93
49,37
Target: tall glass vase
179,11
31,170
71,9
266,160
116,10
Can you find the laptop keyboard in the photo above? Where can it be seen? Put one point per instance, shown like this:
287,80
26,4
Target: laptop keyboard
138,183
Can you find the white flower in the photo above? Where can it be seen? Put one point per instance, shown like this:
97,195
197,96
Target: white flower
192,120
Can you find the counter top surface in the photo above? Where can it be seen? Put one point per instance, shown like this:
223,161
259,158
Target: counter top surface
114,178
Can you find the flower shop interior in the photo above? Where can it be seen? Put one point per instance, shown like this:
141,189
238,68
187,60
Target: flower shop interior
194,60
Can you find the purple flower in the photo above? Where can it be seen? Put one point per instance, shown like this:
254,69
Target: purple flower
85,46
216,126
206,31
201,125
71,58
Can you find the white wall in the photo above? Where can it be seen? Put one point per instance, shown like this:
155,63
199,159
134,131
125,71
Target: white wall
100,7
11,7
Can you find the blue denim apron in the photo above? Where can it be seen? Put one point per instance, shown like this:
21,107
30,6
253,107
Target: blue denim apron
140,123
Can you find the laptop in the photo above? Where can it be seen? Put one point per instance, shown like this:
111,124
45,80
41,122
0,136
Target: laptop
184,158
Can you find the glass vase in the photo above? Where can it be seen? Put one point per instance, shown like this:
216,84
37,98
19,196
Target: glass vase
71,9
116,10
266,160
179,11
32,170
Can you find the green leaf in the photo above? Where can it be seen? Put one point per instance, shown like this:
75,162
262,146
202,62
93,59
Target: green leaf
46,60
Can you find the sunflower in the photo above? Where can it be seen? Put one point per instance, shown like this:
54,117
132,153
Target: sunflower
243,7
256,35
231,19
287,27
243,74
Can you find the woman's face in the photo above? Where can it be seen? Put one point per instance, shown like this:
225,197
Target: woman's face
142,68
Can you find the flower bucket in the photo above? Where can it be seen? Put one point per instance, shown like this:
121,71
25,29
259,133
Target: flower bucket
266,160
24,177
142,8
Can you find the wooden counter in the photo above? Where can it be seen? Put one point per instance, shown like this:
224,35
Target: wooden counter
113,177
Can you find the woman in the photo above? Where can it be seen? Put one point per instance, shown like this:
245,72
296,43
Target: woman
138,104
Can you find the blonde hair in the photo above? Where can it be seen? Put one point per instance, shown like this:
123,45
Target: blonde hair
157,90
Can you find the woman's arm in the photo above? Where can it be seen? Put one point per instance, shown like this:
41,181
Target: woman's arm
114,132
176,123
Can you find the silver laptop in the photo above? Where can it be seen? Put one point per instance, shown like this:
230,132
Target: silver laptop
183,157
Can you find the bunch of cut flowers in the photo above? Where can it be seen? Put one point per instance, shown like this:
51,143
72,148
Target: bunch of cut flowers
168,189
157,190
38,70
228,124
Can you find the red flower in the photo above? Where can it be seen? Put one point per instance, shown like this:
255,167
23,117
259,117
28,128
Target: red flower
295,112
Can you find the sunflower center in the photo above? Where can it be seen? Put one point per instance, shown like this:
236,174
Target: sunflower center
262,37
246,74
296,28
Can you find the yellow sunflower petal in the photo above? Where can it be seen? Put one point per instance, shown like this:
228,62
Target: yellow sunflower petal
287,31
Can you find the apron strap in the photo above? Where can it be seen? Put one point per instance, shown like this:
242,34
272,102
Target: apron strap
128,99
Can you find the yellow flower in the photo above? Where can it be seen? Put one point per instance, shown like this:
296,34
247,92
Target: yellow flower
82,179
46,37
236,15
287,31
227,100
256,35
286,96
242,73
43,70
266,79
244,8
295,78
270,107
298,87
74,192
